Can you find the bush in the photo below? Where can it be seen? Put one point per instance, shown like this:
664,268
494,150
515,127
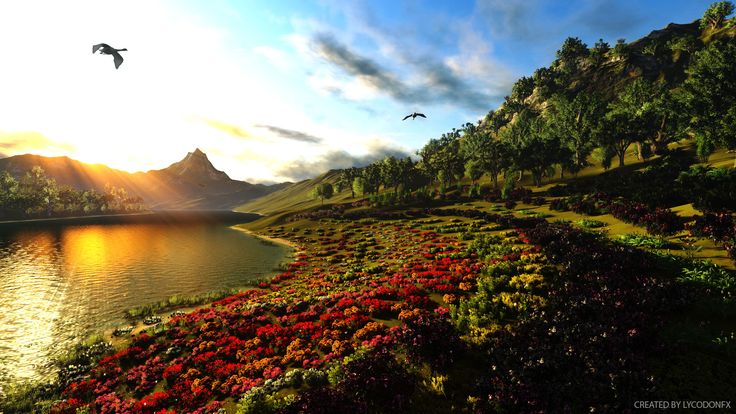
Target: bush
711,189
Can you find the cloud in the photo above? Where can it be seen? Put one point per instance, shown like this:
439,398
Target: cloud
511,19
275,57
228,128
13,143
365,69
290,134
609,18
436,81
303,169
239,132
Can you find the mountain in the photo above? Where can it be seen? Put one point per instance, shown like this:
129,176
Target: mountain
663,56
192,183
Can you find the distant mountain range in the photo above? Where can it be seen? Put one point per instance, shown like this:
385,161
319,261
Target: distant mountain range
192,183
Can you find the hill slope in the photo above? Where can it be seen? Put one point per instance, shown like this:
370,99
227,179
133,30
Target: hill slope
293,197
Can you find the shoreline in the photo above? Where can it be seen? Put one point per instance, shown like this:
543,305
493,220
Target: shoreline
152,216
278,240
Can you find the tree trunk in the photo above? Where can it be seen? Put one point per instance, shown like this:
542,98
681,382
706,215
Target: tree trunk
521,175
494,178
621,156
639,151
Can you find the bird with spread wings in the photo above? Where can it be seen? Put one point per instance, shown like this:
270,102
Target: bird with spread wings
413,116
106,49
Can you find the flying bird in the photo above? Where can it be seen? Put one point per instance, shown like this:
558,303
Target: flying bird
108,50
413,116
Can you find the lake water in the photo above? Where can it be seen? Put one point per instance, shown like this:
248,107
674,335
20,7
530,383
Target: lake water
59,285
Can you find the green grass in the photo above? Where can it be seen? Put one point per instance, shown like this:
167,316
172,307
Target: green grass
181,301
590,223
643,240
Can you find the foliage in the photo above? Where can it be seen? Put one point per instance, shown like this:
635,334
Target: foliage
710,91
590,224
37,195
712,189
323,191
716,14
642,240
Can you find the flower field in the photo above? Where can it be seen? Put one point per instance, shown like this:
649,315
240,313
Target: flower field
431,310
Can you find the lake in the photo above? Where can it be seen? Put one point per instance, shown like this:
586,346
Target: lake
60,284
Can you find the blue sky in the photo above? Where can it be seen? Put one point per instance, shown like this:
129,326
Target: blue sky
278,90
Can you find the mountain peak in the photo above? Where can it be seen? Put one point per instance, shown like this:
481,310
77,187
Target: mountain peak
196,166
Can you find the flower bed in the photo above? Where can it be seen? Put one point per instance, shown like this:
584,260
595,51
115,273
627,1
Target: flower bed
656,220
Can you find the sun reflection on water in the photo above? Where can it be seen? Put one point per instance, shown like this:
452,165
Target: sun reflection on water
59,286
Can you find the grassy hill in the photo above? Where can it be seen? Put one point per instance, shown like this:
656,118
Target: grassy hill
294,197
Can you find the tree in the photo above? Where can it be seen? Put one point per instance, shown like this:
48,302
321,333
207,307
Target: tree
670,117
715,14
572,48
533,148
522,89
371,179
473,170
9,198
407,173
621,50
323,191
38,192
598,52
629,119
567,56
346,179
390,173
483,150
440,158
545,81
573,123
710,93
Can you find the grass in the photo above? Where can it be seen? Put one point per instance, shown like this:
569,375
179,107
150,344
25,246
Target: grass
643,240
181,301
590,223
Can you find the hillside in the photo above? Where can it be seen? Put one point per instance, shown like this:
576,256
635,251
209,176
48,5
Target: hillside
295,197
192,183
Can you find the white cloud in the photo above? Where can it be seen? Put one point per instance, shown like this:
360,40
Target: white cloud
276,57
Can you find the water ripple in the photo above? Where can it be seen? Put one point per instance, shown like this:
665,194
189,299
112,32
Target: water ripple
59,286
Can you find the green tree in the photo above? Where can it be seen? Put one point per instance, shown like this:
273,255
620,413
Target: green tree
534,149
545,80
407,173
573,123
669,114
522,89
571,50
598,52
473,170
347,178
323,191
38,192
371,175
629,119
9,197
621,50
715,15
390,173
710,92
483,150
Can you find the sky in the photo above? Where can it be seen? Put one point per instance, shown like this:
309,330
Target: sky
278,90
